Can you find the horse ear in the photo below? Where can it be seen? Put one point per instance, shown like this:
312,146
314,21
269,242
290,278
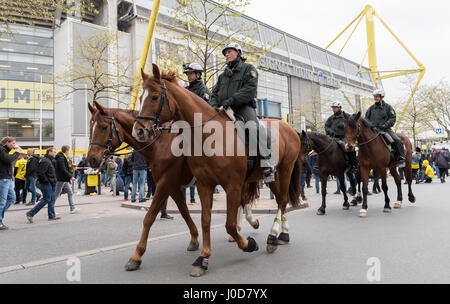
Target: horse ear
303,133
358,115
144,75
100,108
156,72
345,115
91,108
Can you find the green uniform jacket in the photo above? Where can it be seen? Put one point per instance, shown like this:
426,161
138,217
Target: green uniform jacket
334,126
199,88
382,115
241,86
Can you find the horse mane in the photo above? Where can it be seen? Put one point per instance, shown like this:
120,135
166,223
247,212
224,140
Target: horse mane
369,125
116,110
170,75
320,135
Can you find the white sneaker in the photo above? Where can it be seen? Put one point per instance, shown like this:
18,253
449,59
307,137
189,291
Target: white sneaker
74,210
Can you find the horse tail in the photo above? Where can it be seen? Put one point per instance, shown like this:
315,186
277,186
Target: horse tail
295,189
251,192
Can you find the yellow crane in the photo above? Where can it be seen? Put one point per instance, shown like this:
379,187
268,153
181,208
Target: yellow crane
369,13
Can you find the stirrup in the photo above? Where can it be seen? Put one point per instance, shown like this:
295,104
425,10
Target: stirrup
401,163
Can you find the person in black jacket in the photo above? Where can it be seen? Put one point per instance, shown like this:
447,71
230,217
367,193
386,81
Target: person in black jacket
127,175
31,176
140,167
47,181
7,193
64,176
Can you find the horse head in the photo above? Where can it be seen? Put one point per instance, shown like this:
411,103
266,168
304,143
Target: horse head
105,134
352,129
156,108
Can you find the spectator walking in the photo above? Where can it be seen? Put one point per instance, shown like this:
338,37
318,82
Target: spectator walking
47,182
415,164
140,167
64,176
31,176
192,193
441,159
111,169
7,195
81,174
315,169
19,179
127,175
151,184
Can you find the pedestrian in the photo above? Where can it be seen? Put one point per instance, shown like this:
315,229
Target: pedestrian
47,182
428,172
305,171
127,175
111,169
19,179
64,177
7,194
151,184
441,159
192,193
140,167
315,169
415,164
31,176
376,182
81,174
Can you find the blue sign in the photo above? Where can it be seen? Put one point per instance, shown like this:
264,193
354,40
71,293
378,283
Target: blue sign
320,77
439,131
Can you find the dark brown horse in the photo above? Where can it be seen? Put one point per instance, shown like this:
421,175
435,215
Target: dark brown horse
109,129
164,100
331,161
375,154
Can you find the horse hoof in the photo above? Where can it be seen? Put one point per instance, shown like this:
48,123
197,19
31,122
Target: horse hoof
271,248
283,238
387,210
197,271
398,205
345,207
412,199
193,246
251,245
231,240
256,225
320,212
363,213
353,203
132,265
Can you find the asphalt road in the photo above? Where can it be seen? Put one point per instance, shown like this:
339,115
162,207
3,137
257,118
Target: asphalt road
411,244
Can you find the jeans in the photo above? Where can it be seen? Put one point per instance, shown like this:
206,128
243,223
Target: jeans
30,185
338,183
303,180
138,179
81,179
192,190
48,191
64,187
317,180
126,185
7,196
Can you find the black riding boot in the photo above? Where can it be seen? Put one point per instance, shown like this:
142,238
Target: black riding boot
265,150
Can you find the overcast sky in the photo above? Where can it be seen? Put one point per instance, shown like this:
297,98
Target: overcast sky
423,26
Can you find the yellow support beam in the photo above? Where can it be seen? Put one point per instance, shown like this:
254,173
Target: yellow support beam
370,13
143,61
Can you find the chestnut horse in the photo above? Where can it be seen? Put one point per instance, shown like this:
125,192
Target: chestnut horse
109,129
331,161
164,100
375,154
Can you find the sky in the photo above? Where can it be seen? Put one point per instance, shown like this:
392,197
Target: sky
423,26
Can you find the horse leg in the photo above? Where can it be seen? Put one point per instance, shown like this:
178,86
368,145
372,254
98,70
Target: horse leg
398,183
201,263
239,223
251,219
408,177
323,181
346,205
283,238
384,186
180,200
233,203
365,181
136,259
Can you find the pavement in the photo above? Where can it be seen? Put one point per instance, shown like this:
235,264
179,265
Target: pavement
409,245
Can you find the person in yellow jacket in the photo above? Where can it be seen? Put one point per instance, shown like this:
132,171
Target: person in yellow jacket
19,181
429,174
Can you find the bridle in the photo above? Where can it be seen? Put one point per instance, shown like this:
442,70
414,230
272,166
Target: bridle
157,119
113,129
312,146
358,135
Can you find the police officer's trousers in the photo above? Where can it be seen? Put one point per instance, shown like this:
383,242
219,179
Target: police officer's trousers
398,145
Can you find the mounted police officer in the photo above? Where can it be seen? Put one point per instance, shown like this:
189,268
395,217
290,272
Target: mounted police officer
196,85
236,88
383,116
335,127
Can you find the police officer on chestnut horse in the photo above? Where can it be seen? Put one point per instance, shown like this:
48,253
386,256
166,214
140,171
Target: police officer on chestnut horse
196,85
236,89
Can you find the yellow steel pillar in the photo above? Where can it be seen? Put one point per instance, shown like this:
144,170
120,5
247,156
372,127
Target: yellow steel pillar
148,41
371,49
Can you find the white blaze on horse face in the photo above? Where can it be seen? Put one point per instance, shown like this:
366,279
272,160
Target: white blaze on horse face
144,95
275,230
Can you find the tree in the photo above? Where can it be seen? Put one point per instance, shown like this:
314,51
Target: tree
206,27
90,67
30,12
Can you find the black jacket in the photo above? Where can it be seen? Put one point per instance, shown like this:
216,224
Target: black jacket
6,162
334,126
139,162
127,167
63,173
32,166
46,171
199,88
239,82
382,115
